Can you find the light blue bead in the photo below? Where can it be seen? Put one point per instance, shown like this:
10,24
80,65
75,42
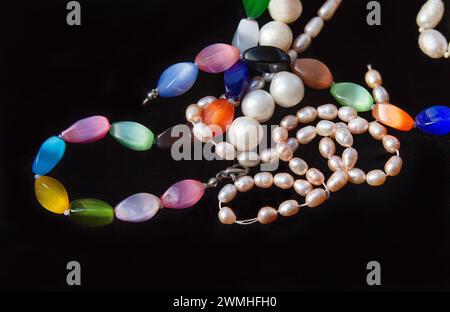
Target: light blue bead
236,80
434,120
49,155
177,79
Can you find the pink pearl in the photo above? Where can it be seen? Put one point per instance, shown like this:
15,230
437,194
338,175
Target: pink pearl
87,130
217,58
183,194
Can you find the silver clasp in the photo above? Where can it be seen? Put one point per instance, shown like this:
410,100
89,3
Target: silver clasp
232,173
153,94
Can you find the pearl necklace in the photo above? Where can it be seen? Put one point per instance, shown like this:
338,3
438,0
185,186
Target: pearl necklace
431,41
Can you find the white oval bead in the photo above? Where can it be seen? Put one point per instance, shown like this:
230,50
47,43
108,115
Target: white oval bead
433,43
316,197
226,215
337,181
287,89
302,187
193,113
391,143
202,132
267,215
349,158
347,113
269,156
225,151
284,152
288,208
307,114
356,176
244,184
283,180
380,95
325,128
430,14
314,27
344,137
315,177
246,35
328,9
279,135
289,122
249,159
358,125
263,179
205,101
377,130
393,166
298,166
306,134
373,78
285,11
245,133
375,177
293,144
335,163
327,111
301,43
227,193
258,104
256,83
327,148
276,34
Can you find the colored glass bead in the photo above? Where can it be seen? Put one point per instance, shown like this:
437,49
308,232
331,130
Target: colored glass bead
138,208
183,194
51,194
267,59
351,94
132,135
255,8
217,58
313,73
177,79
49,155
219,113
434,120
178,133
87,130
236,80
392,116
246,35
91,212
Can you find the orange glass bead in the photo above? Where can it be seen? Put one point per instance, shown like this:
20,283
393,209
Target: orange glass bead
392,116
218,115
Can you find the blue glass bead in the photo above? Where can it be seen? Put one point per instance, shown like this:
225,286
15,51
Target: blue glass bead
434,120
177,79
236,80
49,155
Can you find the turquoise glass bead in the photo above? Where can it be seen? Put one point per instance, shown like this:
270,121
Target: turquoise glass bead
177,79
434,120
351,94
132,135
49,155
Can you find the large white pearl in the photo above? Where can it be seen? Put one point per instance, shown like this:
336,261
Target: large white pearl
286,11
433,43
258,104
245,133
276,34
430,14
287,89
225,151
249,159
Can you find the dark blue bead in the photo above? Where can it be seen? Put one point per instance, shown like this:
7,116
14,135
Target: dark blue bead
236,80
434,120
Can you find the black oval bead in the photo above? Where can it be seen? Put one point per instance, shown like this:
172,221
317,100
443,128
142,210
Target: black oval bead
267,59
166,139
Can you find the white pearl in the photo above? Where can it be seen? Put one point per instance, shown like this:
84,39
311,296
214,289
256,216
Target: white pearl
307,114
433,43
289,208
225,151
276,34
314,176
205,101
328,9
377,130
287,89
375,177
314,27
325,128
248,159
245,133
349,158
293,144
347,113
290,122
267,215
380,95
373,78
193,113
301,43
279,135
343,137
283,180
335,163
356,176
285,11
327,111
202,132
227,193
244,184
298,166
257,83
302,187
327,148
315,198
258,104
293,55
246,35
263,179
306,134
337,181
226,215
358,125
430,14
393,166
269,156
284,152
390,143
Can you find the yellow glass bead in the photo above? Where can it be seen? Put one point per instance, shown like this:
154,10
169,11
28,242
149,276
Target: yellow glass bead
51,194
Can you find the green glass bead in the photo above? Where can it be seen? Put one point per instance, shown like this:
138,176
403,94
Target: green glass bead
91,212
255,8
351,94
132,135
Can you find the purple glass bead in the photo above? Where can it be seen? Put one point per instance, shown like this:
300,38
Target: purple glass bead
87,130
183,194
138,208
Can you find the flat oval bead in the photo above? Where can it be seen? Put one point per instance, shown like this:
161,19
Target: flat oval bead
288,208
227,193
351,94
255,8
392,116
302,187
337,181
49,155
132,135
179,133
283,180
177,79
219,113
183,194
393,166
313,73
356,176
91,212
138,208
375,177
315,198
217,58
434,120
267,59
263,179
430,14
51,194
87,130
267,215
226,215
236,80
246,35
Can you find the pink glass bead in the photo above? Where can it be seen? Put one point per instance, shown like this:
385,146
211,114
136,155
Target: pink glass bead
217,58
183,194
87,130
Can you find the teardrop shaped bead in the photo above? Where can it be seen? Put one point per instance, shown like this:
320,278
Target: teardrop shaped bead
267,59
177,79
217,58
138,207
255,8
219,113
51,194
236,80
91,212
313,73
351,94
49,155
179,133
87,130
183,194
434,120
132,135
246,35
392,116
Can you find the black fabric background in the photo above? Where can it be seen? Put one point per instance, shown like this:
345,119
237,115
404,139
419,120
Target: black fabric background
53,75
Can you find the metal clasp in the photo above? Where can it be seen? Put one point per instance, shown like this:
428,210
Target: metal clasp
153,94
234,172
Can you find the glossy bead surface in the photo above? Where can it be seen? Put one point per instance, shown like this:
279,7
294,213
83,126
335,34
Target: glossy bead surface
315,177
284,152
132,135
177,79
393,166
301,43
313,73
227,193
434,120
267,59
327,111
205,101
255,8
337,181
91,212
306,134
315,198
392,116
217,58
276,34
344,137
49,155
236,80
263,179
258,104
298,166
248,159
267,215
377,130
225,151
433,43
328,9
51,194
283,180
219,113
358,125
288,208
356,176
244,184
302,187
246,35
335,163
226,215
380,95
289,122
327,148
193,113
347,113
202,132
325,128
87,130
307,114
138,208
373,78
183,194
285,11
390,143
430,14
351,94
375,177
349,158
256,83
280,135
269,156
293,144
245,133
287,89
314,27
